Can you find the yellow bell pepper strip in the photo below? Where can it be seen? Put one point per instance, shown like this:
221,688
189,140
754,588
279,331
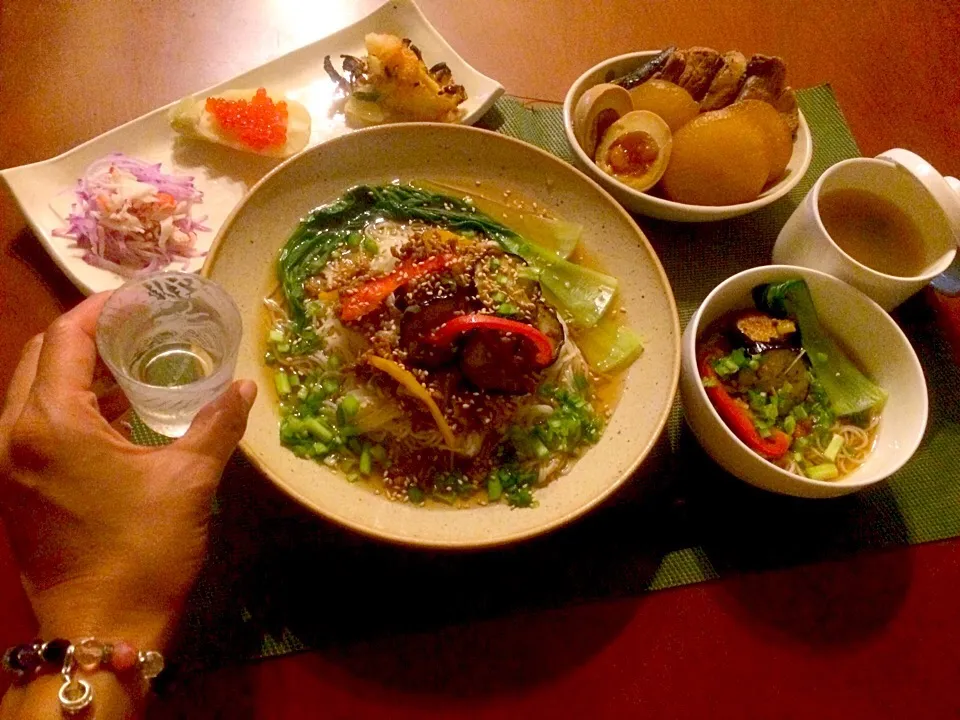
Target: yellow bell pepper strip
369,296
406,380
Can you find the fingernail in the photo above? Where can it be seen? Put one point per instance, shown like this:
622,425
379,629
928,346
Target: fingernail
247,390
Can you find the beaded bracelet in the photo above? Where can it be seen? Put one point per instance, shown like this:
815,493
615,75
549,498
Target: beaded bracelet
87,655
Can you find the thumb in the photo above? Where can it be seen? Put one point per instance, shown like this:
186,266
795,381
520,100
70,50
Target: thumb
220,424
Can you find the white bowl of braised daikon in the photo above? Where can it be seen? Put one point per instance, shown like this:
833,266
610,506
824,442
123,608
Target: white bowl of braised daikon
689,135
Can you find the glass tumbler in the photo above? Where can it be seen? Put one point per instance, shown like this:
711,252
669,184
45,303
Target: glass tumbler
171,340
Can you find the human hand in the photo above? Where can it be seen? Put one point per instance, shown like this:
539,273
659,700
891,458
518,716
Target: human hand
109,536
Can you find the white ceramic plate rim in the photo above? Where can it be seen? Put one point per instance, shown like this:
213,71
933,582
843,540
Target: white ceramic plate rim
703,212
857,482
642,453
398,16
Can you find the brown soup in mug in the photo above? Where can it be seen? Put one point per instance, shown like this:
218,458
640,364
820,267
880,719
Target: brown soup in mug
873,231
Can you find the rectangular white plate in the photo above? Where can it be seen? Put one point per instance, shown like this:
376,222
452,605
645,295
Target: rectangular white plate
44,190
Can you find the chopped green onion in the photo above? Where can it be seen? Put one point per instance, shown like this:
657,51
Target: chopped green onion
366,465
330,385
415,495
350,405
494,488
800,412
507,309
725,366
540,450
824,471
318,429
282,382
446,497
836,442
789,424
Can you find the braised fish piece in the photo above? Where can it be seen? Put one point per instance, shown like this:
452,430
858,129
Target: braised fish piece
726,83
786,105
674,67
765,80
702,64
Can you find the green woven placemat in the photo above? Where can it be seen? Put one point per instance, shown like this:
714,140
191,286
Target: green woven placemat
280,580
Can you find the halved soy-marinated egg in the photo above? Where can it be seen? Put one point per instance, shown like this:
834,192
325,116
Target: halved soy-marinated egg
636,149
598,108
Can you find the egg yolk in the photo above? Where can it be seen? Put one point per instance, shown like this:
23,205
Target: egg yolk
632,153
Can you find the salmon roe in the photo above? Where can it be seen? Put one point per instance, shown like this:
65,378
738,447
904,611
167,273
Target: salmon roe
258,123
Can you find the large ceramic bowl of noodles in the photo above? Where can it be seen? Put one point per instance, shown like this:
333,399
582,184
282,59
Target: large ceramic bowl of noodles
460,341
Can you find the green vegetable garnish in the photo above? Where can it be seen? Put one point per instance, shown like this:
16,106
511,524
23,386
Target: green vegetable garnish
836,442
610,345
825,471
848,389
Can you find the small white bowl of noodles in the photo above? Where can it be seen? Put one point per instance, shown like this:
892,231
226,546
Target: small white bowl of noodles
874,442
332,440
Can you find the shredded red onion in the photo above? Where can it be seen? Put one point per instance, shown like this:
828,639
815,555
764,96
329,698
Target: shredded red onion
132,218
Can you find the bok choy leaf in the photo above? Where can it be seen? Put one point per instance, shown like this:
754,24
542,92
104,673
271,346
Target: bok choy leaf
848,389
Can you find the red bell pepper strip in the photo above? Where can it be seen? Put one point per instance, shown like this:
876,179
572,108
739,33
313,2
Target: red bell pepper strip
453,328
739,419
369,296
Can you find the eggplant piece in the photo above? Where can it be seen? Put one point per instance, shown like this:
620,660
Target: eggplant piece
781,371
759,332
418,321
647,71
726,83
492,360
549,324
702,64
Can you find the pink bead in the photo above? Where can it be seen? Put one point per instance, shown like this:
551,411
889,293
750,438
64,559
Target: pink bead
124,657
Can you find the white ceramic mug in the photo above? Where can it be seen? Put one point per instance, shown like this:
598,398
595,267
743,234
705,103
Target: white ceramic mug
909,182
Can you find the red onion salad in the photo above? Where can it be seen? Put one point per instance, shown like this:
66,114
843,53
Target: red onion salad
132,218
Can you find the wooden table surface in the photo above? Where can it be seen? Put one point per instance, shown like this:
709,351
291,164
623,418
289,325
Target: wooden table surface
871,635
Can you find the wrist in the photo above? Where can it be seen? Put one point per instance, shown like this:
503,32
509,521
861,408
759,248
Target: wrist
78,610
114,697
148,631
